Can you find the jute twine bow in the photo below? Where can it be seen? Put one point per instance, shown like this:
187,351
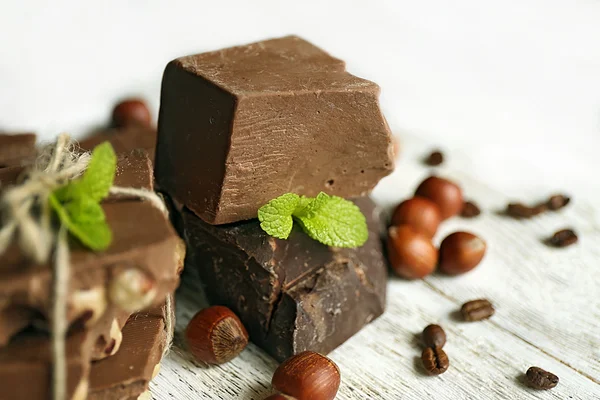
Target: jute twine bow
27,219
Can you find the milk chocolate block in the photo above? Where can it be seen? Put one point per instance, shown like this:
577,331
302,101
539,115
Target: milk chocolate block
124,139
145,248
241,126
292,295
16,149
126,375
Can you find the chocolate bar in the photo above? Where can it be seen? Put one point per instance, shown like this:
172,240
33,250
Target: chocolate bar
241,126
144,246
126,375
16,149
292,295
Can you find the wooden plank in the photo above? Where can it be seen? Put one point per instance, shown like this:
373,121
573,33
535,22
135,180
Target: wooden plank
548,313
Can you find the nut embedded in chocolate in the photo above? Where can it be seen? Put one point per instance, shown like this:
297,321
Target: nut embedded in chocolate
216,335
132,290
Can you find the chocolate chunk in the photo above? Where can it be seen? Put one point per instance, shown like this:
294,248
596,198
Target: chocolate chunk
241,126
128,373
17,149
292,295
124,140
143,240
25,364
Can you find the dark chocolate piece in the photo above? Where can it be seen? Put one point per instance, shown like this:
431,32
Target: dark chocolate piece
292,295
16,149
241,126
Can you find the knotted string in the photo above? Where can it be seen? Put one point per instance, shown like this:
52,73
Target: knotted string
27,218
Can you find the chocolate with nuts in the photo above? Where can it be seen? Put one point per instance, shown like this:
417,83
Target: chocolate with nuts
146,252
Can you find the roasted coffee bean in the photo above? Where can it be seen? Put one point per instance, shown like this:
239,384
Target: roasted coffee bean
538,378
470,210
476,310
435,360
563,238
557,202
434,336
520,210
435,158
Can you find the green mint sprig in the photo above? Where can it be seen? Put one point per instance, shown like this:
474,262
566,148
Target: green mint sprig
77,204
330,220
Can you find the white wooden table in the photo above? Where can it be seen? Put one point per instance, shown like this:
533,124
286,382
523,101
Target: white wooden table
547,312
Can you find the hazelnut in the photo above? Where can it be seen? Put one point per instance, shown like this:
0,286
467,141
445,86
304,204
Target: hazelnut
131,112
420,213
81,391
412,255
88,306
216,335
156,371
279,396
180,251
116,338
147,395
307,375
447,195
132,290
460,252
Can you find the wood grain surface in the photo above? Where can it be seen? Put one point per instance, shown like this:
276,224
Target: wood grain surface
547,311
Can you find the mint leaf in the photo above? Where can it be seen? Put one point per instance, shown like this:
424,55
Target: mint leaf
85,220
276,216
100,173
77,204
333,221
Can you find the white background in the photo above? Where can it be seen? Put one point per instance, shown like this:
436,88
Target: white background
514,84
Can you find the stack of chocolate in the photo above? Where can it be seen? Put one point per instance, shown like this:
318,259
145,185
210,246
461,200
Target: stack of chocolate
242,126
116,299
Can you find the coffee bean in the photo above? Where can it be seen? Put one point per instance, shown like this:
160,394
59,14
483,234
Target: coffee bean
538,378
520,210
563,238
476,310
470,210
557,202
434,336
435,158
435,360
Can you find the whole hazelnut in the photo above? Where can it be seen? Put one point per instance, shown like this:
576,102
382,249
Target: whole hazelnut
132,290
131,112
412,255
307,376
420,213
447,195
216,335
460,252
